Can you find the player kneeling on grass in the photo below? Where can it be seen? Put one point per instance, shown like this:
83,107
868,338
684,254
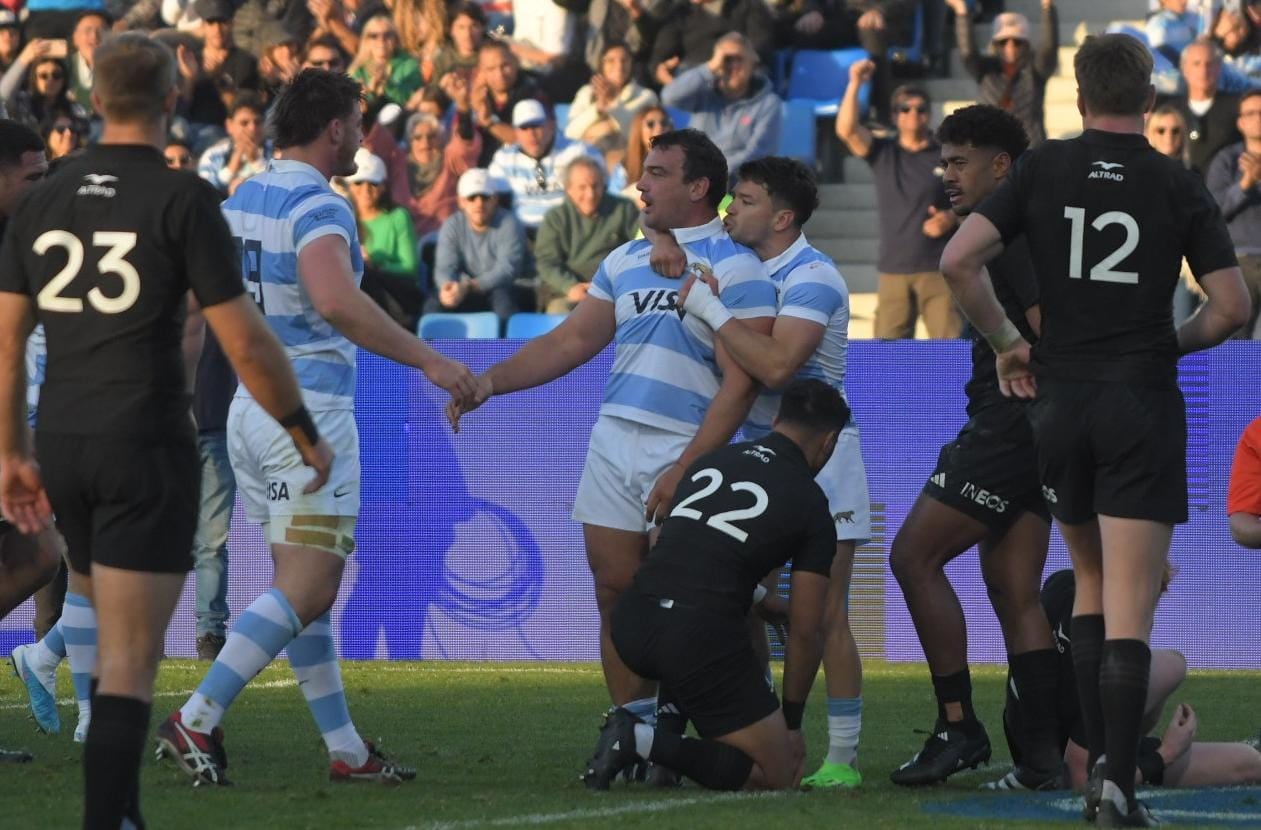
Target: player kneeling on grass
740,512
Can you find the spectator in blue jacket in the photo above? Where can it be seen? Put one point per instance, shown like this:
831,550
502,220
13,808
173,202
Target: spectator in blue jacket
730,101
1172,28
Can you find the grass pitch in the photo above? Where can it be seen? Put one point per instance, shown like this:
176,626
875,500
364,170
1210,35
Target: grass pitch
502,744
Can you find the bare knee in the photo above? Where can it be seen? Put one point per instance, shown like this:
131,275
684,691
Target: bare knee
912,560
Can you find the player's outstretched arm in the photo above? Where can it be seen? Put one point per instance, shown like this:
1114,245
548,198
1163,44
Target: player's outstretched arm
1227,309
259,361
326,272
22,498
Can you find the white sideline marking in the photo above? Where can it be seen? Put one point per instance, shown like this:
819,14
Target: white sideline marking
66,701
633,808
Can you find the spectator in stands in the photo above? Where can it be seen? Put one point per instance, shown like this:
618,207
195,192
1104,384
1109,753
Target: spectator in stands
89,30
1234,179
881,23
465,36
63,135
1172,28
533,165
730,101
632,22
325,52
200,111
386,72
1243,495
607,104
422,30
230,67
1166,131
578,234
54,19
690,33
244,153
179,156
423,177
1013,76
543,39
34,89
1210,113
648,123
1238,38
388,242
10,39
498,86
914,214
481,251
280,61
340,20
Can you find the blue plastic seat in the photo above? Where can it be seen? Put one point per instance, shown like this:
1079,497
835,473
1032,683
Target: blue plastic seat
680,118
527,324
478,325
821,77
797,131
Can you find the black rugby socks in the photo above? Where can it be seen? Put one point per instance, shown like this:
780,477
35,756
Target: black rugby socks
1036,678
711,764
1087,635
111,761
1123,675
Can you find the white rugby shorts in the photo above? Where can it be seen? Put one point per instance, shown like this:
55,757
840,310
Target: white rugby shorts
844,481
624,461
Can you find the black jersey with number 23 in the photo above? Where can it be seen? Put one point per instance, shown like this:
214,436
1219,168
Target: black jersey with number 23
108,248
1108,220
740,512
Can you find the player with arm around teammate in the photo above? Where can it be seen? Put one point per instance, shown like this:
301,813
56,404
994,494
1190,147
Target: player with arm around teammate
104,256
674,393
1108,221
300,255
773,199
740,512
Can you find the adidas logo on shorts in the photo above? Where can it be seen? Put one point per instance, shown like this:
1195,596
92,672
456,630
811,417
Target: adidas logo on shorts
939,480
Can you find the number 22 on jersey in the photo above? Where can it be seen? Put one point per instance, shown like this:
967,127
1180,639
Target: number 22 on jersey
723,521
117,244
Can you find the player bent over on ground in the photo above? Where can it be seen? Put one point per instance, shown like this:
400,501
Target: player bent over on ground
739,513
301,259
103,255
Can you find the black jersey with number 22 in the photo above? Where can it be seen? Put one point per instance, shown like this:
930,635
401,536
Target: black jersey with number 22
108,249
740,512
1108,221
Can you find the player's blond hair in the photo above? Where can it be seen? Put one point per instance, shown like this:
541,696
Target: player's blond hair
132,75
1114,75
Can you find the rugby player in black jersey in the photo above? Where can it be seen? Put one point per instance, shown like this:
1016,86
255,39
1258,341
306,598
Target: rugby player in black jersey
740,512
1108,221
983,492
104,255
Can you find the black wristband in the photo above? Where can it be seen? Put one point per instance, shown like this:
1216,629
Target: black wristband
793,713
301,419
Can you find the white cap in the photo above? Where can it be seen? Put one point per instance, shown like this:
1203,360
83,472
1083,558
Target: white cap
528,112
475,182
1010,26
371,168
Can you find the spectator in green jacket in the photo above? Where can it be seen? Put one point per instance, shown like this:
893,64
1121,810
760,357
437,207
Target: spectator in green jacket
579,233
382,67
388,240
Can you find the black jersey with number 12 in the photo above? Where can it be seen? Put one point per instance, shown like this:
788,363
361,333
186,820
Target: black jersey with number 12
740,512
108,249
1108,221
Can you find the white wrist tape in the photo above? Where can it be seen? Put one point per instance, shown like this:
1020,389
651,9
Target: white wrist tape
702,303
1004,337
759,594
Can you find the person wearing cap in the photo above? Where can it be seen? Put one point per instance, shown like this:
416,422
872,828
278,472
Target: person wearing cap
1012,76
533,165
231,67
10,39
481,251
730,101
387,240
244,153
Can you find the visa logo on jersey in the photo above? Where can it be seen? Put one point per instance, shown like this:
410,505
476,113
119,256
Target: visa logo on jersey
657,299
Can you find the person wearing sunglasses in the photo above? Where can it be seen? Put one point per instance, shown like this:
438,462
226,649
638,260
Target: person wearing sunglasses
35,86
1013,76
385,70
481,251
63,135
913,212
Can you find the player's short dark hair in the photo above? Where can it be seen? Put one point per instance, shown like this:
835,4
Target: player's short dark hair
701,160
790,184
984,126
247,101
132,75
17,139
1114,74
308,103
814,404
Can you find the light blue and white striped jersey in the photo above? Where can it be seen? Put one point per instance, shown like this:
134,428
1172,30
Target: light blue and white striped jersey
810,288
664,374
36,362
273,216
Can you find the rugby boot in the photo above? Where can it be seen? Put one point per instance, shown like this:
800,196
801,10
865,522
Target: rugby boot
947,751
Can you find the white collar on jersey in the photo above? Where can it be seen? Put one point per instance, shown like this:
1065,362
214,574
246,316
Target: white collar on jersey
711,228
776,262
300,168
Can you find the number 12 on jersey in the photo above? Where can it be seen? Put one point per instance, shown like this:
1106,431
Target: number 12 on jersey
723,521
1102,271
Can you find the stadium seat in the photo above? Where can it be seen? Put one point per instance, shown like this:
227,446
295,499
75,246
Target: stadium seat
561,112
479,325
796,131
821,77
527,324
679,117
912,53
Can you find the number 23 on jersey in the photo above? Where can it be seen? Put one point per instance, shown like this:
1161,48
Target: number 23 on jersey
112,262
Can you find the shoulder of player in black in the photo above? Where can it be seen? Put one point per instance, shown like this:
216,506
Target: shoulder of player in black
772,447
